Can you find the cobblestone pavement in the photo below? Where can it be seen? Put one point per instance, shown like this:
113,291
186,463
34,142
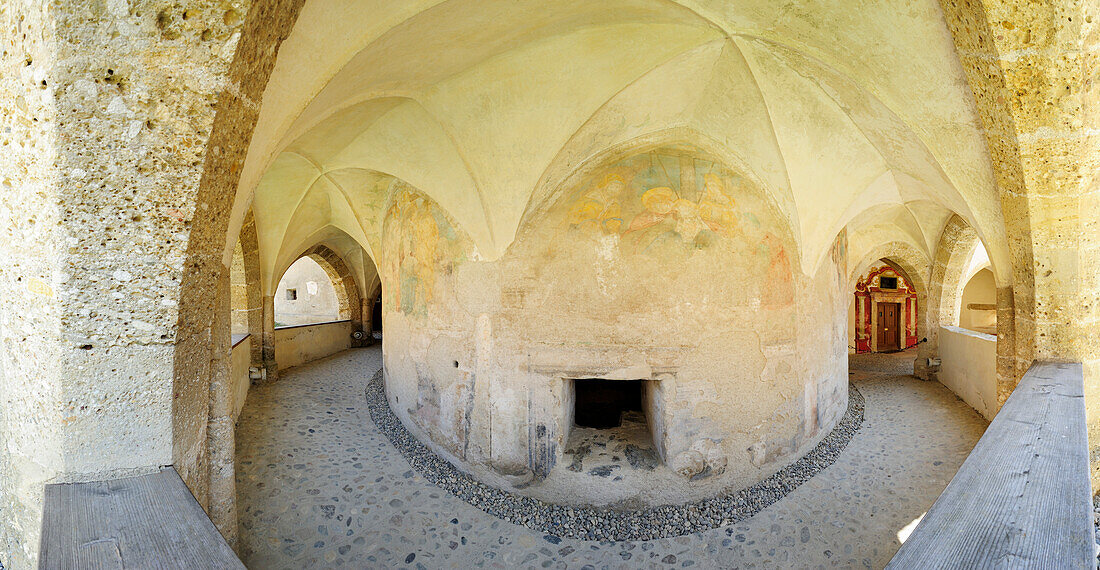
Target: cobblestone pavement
318,486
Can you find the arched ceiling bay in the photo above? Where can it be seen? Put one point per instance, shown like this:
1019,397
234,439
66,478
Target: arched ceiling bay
857,118
347,247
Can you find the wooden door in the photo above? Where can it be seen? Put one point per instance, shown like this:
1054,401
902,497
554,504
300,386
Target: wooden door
888,319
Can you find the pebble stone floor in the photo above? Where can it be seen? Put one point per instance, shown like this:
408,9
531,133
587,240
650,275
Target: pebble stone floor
319,487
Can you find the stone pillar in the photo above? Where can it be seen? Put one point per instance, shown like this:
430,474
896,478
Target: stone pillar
1031,68
220,439
105,113
250,253
268,339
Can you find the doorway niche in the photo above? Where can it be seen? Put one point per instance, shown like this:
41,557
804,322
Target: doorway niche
626,411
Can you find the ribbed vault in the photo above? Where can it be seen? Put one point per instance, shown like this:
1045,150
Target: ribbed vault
848,120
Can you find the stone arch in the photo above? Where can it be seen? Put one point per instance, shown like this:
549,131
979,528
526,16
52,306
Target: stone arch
913,265
957,240
957,243
343,281
247,291
901,256
202,427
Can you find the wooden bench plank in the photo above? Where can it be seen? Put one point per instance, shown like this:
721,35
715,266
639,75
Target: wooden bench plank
151,521
1022,498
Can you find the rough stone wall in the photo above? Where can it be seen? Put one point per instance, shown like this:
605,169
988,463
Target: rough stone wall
118,97
979,30
31,409
617,279
253,298
238,292
268,23
116,172
1031,67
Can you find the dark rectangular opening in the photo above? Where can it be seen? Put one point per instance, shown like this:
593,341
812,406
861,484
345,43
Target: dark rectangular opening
888,282
601,403
376,320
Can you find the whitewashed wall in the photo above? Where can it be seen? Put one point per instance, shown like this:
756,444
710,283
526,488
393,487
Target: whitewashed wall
295,346
969,367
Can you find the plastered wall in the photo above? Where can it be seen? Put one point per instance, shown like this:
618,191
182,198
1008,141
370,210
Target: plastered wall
295,346
316,298
978,309
661,266
969,368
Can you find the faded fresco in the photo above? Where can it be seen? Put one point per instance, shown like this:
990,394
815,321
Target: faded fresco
663,267
414,257
670,206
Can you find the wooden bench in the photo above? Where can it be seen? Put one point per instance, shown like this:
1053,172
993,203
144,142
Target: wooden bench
1022,498
151,521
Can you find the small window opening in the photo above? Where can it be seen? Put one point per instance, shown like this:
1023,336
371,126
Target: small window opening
888,282
291,294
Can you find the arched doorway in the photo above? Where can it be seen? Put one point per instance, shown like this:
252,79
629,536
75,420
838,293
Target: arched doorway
317,308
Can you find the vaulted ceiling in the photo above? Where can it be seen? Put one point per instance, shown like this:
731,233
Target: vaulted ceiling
851,114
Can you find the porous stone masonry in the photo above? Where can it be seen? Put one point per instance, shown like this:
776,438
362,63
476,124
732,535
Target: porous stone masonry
1029,66
108,110
267,25
247,292
107,116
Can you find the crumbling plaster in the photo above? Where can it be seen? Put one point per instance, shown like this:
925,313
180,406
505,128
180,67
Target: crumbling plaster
619,291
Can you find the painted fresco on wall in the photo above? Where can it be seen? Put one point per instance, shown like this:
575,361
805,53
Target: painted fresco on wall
669,206
414,257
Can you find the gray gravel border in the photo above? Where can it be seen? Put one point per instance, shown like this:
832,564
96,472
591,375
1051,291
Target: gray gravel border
596,523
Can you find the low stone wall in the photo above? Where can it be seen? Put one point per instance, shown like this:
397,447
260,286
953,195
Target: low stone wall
298,345
239,360
969,367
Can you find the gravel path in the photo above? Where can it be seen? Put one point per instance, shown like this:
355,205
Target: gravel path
603,523
320,486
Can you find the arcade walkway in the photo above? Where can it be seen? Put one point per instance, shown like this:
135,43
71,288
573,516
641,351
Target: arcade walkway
319,486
